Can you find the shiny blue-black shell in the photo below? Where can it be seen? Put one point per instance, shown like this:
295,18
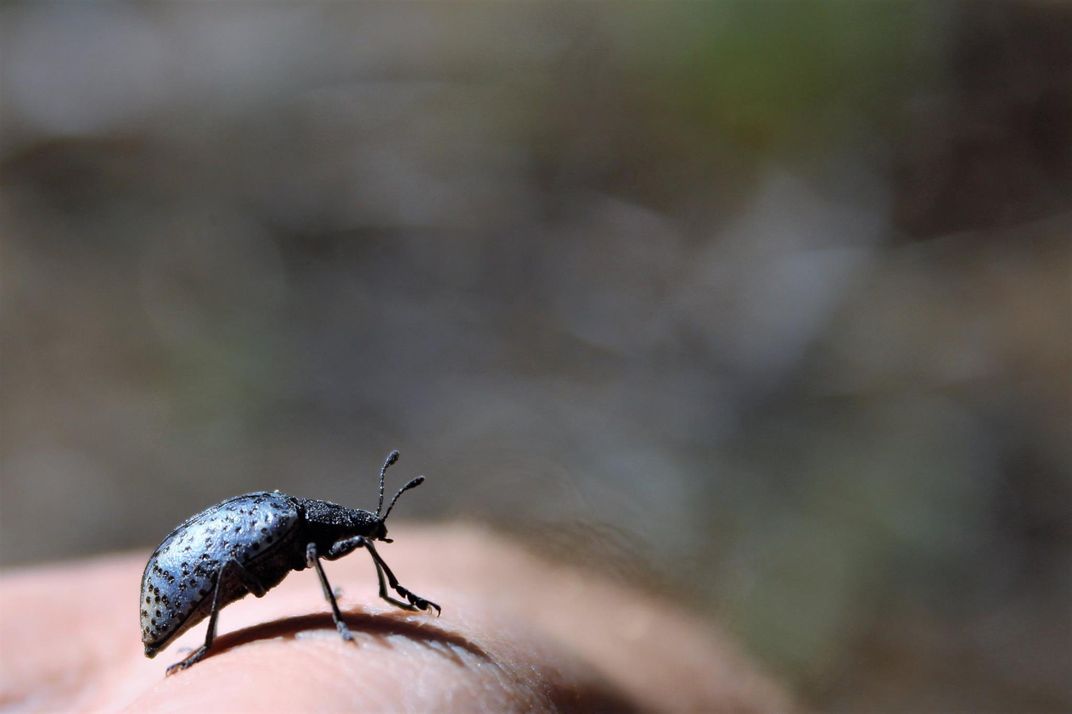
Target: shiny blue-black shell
259,530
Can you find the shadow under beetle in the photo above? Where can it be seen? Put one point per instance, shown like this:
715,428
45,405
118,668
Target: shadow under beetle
248,544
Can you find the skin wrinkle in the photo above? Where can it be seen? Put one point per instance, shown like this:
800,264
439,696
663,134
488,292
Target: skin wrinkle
517,634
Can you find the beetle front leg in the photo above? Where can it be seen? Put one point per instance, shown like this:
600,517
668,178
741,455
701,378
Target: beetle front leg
313,561
414,599
349,545
345,546
386,595
416,602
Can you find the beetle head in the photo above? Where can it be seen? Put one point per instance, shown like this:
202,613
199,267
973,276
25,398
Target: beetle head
380,532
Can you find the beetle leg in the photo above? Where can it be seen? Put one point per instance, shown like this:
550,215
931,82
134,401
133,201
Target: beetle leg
415,600
210,634
386,595
345,546
248,579
313,561
348,545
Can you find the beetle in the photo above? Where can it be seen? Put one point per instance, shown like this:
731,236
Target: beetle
248,544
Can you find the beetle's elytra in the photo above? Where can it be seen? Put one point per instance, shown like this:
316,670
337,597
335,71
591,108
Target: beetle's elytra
248,544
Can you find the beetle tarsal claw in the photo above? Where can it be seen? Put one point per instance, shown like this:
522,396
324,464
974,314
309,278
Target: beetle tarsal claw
420,603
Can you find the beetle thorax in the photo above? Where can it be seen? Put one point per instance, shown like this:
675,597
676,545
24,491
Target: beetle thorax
332,521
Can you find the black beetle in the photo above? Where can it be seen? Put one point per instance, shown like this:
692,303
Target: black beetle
248,544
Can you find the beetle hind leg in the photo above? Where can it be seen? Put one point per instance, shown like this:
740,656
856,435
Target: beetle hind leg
249,582
190,660
210,634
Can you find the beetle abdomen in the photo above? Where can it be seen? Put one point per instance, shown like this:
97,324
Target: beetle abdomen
179,579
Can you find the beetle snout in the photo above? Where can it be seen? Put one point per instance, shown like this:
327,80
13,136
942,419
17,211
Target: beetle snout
380,533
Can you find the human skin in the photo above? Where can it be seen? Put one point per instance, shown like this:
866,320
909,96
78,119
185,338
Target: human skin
517,634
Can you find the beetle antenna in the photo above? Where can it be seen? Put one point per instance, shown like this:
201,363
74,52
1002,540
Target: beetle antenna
412,484
391,458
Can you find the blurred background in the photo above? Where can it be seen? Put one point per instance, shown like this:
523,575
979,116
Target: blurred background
765,306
